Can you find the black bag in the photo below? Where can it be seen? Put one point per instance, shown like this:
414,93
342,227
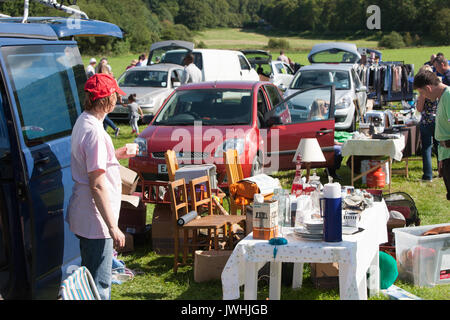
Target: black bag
403,203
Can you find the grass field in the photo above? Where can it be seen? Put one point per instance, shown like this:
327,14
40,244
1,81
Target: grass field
299,47
155,279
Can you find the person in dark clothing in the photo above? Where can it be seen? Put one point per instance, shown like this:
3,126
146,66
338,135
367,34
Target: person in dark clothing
442,66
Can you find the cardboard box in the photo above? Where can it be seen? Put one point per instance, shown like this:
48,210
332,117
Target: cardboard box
133,214
209,265
265,220
129,180
163,228
325,275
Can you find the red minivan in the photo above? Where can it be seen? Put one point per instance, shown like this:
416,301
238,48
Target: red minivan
200,121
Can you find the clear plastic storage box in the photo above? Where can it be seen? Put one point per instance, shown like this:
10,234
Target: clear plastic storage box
422,260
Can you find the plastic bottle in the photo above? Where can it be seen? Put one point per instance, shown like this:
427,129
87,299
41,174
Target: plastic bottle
284,208
297,184
314,181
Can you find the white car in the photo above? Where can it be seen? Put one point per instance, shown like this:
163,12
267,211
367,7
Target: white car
215,64
275,71
151,84
333,64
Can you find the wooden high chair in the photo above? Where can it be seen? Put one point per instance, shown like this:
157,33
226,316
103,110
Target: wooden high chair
212,223
171,163
234,174
172,167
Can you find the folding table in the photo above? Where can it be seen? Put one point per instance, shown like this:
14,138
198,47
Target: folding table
392,148
356,255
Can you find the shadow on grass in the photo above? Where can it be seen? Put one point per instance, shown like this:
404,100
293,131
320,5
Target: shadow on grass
159,268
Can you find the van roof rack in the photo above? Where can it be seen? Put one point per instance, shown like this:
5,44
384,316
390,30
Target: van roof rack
72,9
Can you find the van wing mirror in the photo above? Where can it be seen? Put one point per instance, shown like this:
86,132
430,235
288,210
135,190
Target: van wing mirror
361,89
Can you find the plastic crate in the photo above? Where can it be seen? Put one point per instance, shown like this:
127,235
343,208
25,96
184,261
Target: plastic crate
422,260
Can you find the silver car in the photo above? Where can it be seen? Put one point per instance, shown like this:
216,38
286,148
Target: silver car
275,71
333,64
152,85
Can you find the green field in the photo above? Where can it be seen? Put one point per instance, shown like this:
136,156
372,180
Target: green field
155,279
237,39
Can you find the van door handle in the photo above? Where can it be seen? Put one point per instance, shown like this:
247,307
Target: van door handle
321,132
43,160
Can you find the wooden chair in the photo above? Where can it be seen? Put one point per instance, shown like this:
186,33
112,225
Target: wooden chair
234,174
206,201
212,223
171,163
172,167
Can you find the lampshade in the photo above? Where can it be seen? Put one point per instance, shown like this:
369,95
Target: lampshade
310,151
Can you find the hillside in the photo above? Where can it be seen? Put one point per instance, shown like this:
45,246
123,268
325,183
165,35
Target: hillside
146,21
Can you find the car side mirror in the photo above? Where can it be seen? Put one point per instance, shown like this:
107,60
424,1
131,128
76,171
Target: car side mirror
147,118
282,87
272,120
176,84
361,89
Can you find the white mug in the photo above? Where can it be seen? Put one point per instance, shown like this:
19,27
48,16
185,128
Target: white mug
131,148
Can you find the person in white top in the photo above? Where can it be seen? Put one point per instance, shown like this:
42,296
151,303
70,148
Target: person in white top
90,70
283,57
94,206
191,72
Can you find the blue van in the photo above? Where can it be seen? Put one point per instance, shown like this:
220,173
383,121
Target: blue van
41,94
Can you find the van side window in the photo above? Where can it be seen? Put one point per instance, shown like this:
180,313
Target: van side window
273,94
198,60
243,62
4,138
48,89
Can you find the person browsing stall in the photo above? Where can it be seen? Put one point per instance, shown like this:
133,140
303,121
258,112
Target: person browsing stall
442,66
94,205
191,72
427,126
428,85
90,69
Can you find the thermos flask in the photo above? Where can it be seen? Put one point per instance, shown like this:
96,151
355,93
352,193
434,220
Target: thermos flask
331,211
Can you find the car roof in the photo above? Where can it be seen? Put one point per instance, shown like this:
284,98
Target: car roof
327,66
53,28
245,85
157,66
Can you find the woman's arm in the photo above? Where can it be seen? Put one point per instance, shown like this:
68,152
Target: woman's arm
420,103
100,194
121,153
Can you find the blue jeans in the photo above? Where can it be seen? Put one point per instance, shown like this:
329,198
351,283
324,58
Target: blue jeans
337,159
427,138
96,256
108,122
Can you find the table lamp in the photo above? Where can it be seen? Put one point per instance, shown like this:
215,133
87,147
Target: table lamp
310,151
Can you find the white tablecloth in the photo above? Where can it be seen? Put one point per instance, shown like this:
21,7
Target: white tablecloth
374,147
355,254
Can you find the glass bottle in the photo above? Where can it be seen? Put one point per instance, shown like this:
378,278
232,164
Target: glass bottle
297,184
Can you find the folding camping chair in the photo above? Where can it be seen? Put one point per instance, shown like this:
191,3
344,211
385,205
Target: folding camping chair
79,286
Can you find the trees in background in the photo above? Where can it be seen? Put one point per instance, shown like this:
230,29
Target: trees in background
147,21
